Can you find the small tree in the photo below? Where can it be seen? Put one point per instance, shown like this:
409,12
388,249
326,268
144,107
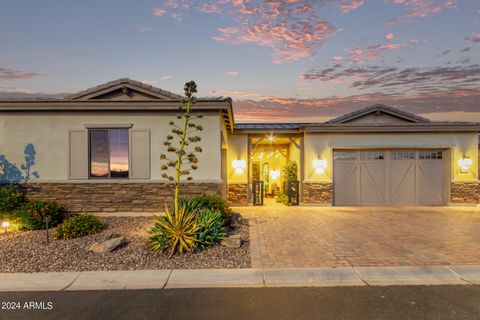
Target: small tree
290,171
184,156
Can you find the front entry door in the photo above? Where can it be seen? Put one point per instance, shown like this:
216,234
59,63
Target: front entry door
258,192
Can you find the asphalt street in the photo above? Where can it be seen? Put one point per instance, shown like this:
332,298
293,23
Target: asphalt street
393,302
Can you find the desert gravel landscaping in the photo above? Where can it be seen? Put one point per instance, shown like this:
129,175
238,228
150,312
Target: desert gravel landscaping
28,251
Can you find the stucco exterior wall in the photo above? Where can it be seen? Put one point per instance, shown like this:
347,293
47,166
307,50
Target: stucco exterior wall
237,150
323,144
48,132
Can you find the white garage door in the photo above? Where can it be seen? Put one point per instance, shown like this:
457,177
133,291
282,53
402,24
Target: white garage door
389,177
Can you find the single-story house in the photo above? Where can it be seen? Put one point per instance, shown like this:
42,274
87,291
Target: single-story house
99,150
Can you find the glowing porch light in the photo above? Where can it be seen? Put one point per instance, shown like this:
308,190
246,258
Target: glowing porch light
239,166
274,174
320,165
5,225
465,163
271,138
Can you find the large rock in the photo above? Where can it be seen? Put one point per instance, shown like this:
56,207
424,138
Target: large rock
108,245
234,241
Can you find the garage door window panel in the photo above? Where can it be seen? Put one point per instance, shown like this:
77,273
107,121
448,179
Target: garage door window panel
403,155
372,155
345,155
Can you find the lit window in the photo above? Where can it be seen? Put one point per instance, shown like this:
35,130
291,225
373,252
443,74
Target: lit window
108,153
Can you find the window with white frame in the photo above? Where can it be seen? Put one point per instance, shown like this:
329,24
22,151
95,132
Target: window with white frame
108,153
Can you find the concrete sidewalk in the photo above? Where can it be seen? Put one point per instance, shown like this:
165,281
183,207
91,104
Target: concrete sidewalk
238,278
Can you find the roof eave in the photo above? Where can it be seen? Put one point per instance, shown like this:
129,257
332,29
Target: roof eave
474,127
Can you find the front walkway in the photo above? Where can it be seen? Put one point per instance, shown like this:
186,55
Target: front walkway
308,237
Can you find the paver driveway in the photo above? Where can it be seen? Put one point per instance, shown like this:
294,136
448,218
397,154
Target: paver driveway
303,237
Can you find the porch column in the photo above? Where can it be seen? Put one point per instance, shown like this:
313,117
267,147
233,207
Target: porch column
302,166
249,170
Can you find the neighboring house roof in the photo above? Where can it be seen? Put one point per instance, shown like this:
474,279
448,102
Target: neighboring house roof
269,126
378,109
123,84
376,118
121,95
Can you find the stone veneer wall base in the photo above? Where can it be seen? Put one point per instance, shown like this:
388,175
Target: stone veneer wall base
465,193
238,194
317,193
115,197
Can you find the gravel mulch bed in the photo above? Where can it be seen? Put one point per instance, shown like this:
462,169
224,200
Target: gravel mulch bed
28,252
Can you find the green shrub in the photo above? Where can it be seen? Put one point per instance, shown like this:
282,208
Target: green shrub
32,214
211,230
175,233
78,226
10,199
213,203
283,198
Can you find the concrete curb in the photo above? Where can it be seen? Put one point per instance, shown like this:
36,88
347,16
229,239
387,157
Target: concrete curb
239,278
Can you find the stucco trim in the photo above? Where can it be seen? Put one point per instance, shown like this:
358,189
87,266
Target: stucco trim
108,125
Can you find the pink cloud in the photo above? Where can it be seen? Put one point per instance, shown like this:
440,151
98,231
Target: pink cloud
474,38
233,73
158,12
209,8
351,5
389,36
466,49
143,29
420,8
7,73
290,27
336,58
414,42
373,52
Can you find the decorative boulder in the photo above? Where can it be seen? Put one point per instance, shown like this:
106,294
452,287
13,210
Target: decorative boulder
108,245
234,242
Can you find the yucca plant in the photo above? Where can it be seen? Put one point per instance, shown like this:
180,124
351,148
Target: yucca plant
175,232
211,230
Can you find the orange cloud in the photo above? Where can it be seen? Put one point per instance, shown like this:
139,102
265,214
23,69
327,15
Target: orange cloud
351,5
420,8
158,12
389,36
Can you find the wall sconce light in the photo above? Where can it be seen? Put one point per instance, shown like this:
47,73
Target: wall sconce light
274,174
239,166
465,163
5,225
320,165
271,138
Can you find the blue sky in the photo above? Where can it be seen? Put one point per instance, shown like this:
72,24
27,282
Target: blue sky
281,60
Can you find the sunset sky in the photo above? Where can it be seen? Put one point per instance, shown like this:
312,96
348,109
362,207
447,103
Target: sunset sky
280,60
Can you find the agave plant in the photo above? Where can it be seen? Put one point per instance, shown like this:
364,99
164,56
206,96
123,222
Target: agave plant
175,232
211,230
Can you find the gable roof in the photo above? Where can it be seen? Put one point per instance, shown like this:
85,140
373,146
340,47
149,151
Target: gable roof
377,109
123,84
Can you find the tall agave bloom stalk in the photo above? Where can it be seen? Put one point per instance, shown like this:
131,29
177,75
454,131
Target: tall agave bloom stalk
183,157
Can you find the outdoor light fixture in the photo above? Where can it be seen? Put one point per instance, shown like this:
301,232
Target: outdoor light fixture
274,174
319,165
5,225
270,138
465,163
239,166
